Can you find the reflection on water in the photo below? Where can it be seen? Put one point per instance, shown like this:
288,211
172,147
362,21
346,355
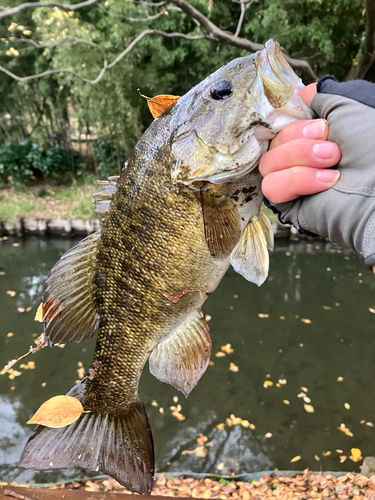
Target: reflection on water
326,285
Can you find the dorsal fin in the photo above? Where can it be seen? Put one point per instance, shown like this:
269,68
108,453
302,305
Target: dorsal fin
103,198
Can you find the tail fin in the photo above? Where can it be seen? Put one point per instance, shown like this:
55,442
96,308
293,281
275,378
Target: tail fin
119,445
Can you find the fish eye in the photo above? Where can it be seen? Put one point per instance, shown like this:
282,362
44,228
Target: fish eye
221,90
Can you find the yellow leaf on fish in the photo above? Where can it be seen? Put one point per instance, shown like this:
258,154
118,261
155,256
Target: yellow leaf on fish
57,412
295,459
39,314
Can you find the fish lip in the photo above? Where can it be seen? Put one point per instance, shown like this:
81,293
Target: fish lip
280,66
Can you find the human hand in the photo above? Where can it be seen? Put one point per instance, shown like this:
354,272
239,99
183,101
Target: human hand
345,214
297,158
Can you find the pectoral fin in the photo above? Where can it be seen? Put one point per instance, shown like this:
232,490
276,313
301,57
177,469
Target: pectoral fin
250,257
221,225
182,359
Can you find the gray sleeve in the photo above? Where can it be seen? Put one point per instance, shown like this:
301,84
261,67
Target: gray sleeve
345,213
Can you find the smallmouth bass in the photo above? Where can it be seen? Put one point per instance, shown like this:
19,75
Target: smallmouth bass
185,208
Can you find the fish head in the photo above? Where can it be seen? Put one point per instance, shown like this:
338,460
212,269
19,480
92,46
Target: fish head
221,127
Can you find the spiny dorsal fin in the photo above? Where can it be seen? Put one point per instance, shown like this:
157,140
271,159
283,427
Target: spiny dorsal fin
250,257
68,307
182,358
103,198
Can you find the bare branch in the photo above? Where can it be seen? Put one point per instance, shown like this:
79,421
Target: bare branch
106,66
240,21
36,5
219,35
144,19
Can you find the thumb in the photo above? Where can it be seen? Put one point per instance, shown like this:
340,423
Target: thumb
307,93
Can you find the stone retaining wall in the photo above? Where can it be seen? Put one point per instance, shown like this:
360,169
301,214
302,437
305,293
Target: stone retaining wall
77,227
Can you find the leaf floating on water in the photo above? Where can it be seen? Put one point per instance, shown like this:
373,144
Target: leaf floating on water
371,310
220,427
57,412
307,321
261,315
370,424
267,383
227,349
326,453
347,406
233,368
327,308
309,408
202,439
11,293
160,103
355,455
296,459
317,458
345,430
286,402
39,314
343,458
220,354
340,379
268,435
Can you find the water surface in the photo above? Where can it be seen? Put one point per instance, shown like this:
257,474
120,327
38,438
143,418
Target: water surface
311,281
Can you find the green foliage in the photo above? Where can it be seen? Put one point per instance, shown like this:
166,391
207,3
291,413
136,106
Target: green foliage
327,33
21,162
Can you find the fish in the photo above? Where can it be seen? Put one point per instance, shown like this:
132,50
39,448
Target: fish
185,208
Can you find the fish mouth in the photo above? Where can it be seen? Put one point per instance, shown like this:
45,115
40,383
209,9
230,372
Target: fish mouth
278,78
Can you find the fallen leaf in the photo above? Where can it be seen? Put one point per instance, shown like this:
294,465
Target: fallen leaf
282,381
199,451
307,321
327,308
220,427
343,458
10,334
81,372
39,314
220,354
295,459
355,455
57,412
31,365
286,402
268,435
220,466
233,368
252,426
317,458
347,406
175,399
11,293
267,383
160,103
227,349
371,310
304,389
326,453
340,379
261,315
309,408
339,451
202,439
208,318
282,317
20,309
370,424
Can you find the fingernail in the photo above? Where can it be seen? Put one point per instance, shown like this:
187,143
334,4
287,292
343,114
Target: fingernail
328,176
314,129
325,150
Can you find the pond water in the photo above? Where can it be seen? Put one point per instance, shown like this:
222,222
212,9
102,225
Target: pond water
324,284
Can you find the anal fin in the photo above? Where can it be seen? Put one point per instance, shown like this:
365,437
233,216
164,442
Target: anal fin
68,306
250,257
183,357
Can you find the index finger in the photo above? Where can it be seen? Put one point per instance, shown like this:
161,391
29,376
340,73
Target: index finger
303,129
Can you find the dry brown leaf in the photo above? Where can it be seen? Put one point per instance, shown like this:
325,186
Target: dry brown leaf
57,412
160,103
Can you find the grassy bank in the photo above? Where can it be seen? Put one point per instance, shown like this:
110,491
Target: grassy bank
47,201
